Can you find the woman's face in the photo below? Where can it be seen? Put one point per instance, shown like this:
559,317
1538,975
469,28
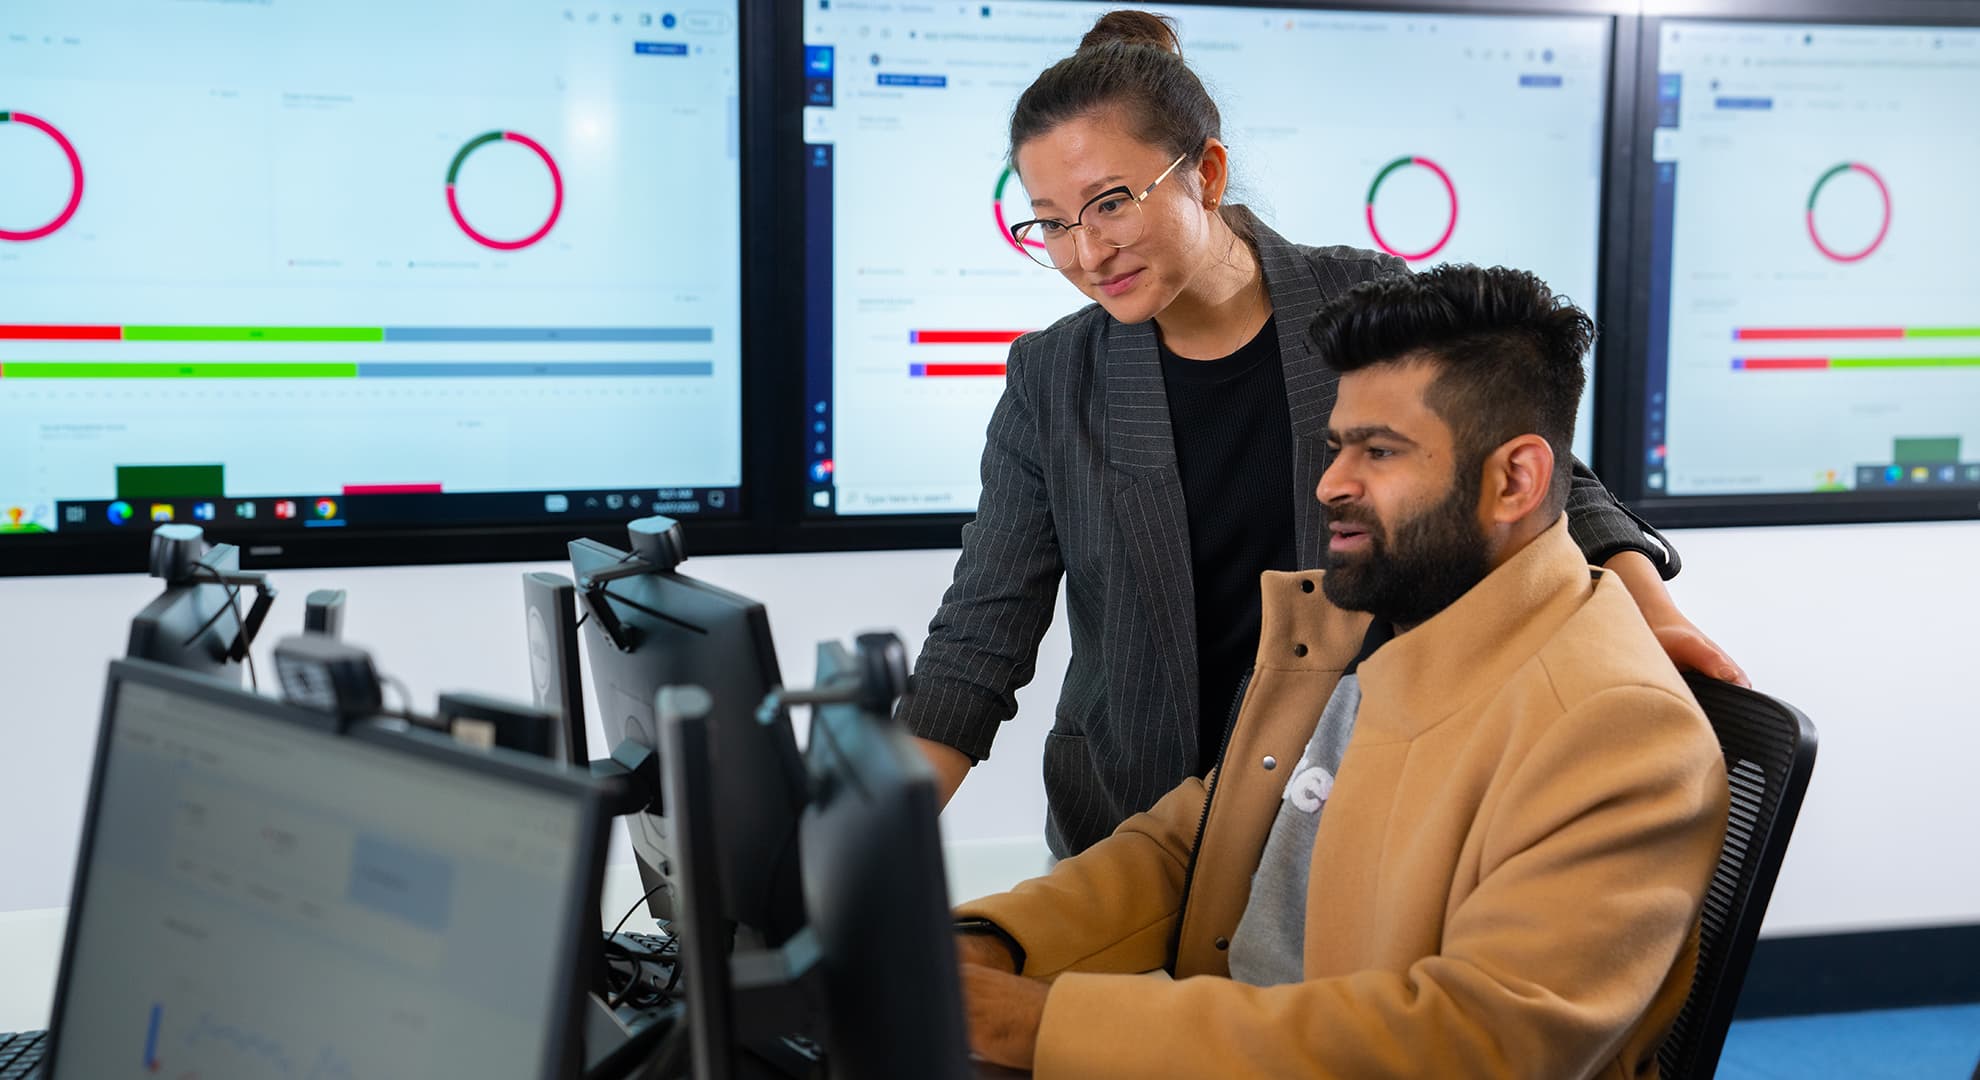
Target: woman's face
1083,157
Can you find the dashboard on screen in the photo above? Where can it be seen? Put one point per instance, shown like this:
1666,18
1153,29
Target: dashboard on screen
1813,327
1460,138
288,268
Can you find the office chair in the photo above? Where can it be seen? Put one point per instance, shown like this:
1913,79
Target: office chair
1770,752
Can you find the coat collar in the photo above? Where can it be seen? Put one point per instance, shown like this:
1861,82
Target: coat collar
1473,647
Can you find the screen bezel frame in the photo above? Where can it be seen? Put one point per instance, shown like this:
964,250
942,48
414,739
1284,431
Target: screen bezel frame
568,992
751,531
1622,437
799,530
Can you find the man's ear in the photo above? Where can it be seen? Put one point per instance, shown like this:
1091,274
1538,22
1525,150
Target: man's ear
1518,479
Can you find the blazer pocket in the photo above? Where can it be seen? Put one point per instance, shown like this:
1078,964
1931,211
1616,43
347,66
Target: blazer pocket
1065,759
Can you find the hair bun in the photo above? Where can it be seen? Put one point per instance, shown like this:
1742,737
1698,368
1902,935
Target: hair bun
1134,28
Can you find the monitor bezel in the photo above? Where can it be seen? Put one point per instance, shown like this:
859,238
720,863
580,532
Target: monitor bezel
124,551
397,737
1622,433
799,530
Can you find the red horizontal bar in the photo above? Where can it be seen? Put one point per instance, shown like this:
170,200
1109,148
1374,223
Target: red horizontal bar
1784,363
964,337
391,489
1844,333
31,332
937,371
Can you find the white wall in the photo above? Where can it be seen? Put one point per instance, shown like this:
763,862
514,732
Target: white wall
1870,629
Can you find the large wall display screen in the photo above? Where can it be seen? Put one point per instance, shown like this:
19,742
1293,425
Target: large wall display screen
278,268
1464,138
1814,322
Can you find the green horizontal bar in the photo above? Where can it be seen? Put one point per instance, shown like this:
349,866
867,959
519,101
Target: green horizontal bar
1925,451
254,333
170,481
13,369
1942,332
1904,361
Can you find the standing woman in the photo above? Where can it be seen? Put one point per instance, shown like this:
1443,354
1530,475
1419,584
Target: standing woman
1159,449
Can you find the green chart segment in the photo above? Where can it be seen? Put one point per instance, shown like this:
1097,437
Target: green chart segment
67,370
338,334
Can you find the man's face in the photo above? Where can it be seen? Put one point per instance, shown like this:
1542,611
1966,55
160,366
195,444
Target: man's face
1407,539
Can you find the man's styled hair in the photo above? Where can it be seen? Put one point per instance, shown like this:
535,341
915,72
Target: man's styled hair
1507,348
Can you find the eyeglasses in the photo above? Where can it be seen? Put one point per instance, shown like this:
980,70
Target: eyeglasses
1117,222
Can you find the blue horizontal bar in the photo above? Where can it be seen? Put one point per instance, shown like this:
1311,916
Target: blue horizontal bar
554,369
1755,103
917,370
933,81
619,334
332,524
659,48
1540,80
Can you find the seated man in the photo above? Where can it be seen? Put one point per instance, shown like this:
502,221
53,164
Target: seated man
1479,847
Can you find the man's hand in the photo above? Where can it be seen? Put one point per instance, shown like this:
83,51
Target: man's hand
1003,1012
984,950
1687,646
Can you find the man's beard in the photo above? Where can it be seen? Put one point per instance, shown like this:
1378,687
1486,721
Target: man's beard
1434,558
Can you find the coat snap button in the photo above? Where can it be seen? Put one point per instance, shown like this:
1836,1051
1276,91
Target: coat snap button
1223,943
1299,650
1306,586
1271,763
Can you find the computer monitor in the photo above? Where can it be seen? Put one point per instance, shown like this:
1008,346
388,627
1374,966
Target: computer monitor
873,975
1811,331
365,280
658,628
1437,136
877,899
556,676
258,895
196,622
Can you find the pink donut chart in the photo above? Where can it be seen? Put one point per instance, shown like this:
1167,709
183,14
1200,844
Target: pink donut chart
997,208
1883,228
556,185
75,178
1450,190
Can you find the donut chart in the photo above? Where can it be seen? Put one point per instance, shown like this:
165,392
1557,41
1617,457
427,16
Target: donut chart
556,185
1003,226
75,177
1883,228
1450,189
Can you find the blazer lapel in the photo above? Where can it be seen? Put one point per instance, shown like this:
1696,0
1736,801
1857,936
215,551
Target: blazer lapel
1147,498
1296,298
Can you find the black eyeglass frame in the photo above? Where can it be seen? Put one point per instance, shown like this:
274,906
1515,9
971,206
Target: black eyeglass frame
1017,230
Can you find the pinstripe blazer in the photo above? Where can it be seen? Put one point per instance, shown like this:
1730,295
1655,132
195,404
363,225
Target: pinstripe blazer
1080,481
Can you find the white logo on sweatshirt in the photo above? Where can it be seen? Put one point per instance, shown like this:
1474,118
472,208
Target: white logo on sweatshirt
1309,787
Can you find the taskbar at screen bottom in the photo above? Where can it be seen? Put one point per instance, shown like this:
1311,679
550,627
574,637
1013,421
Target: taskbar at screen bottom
371,509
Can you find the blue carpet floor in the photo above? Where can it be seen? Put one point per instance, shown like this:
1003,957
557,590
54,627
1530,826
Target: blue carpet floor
1940,1043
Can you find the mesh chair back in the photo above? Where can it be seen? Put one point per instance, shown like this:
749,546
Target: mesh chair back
1770,752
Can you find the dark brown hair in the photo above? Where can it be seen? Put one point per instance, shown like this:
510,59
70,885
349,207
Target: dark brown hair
1509,351
1131,61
